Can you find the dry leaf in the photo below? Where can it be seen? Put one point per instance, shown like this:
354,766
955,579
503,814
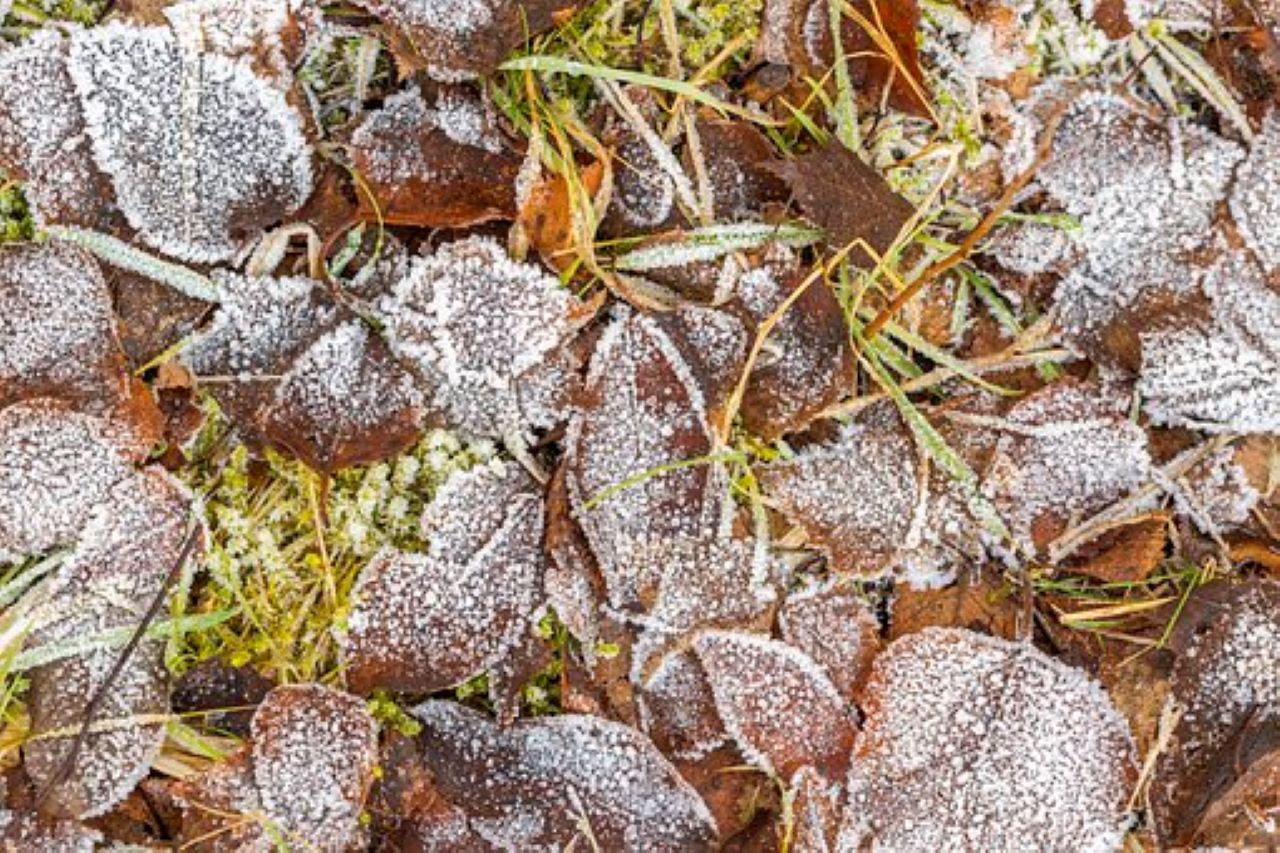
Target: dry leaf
836,628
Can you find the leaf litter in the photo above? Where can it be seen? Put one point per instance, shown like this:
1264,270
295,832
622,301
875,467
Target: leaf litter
886,429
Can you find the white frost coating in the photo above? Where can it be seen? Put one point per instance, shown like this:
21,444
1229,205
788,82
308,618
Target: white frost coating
486,333
57,325
241,28
780,706
56,467
529,786
1224,377
459,114
981,744
196,145
338,384
451,17
314,750
1255,198
430,621
1064,451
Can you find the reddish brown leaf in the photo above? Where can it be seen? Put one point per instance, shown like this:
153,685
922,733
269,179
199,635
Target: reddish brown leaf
1226,692
424,622
543,782
974,738
547,216
1127,551
834,626
442,163
779,705
976,601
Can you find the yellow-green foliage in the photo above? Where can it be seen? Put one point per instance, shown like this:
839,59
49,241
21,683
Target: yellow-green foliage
286,547
15,218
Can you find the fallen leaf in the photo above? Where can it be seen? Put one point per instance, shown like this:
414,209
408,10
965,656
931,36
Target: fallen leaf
437,164
836,628
558,781
425,622
303,777
976,601
974,738
781,708
1226,693
547,216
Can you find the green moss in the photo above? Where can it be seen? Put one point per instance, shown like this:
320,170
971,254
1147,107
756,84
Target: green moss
286,547
15,217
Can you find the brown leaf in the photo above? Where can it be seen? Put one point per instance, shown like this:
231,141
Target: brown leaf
297,372
547,216
807,364
464,40
1226,692
644,410
1128,550
442,163
551,780
976,601
304,775
737,157
781,708
975,738
425,622
858,207
831,624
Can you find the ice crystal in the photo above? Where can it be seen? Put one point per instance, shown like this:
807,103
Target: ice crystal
1254,203
985,744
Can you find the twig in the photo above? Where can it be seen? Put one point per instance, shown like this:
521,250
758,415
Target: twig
91,710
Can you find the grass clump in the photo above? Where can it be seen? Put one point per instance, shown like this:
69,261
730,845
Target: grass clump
16,224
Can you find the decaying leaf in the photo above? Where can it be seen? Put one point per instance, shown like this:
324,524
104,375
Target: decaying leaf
1226,695
807,364
57,331
781,708
442,164
301,781
633,479
859,206
125,551
987,744
1221,376
424,622
1064,451
298,372
834,627
463,39
560,781
1253,196
488,337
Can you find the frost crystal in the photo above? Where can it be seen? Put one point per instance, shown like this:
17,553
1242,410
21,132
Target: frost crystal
200,150
423,622
833,626
1064,452
977,743
646,411
57,327
488,336
56,467
778,704
1224,377
1255,198
539,783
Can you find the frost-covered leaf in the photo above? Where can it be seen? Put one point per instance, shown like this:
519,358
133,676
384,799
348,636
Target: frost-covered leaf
737,155
125,552
807,363
1221,376
298,372
202,152
26,830
488,337
858,499
778,704
424,622
1253,197
834,627
57,330
645,412
1145,193
43,139
443,164
301,782
56,466
1063,452
813,809
1226,693
986,744
677,708
463,39
555,781
268,35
